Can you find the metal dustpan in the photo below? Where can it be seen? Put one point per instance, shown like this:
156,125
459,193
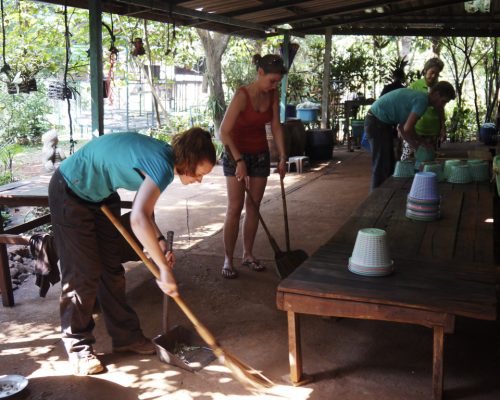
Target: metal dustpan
183,348
179,346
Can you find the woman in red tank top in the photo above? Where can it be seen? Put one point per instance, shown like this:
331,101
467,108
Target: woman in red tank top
247,160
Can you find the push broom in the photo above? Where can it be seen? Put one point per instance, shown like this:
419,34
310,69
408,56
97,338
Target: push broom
246,375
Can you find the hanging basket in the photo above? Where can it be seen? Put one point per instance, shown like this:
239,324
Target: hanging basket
57,91
23,87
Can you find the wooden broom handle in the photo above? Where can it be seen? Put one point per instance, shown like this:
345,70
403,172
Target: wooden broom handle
285,215
200,328
273,242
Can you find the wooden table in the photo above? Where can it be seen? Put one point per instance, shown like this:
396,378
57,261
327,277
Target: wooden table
29,193
443,269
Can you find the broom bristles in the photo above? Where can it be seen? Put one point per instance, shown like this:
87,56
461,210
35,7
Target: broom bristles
246,375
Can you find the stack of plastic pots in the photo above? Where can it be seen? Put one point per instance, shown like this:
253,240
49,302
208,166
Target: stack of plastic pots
370,256
460,174
404,169
423,202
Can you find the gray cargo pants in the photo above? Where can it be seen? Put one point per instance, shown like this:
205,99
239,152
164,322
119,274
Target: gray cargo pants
89,249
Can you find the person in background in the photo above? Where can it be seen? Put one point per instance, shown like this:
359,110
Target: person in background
90,247
401,107
246,161
430,127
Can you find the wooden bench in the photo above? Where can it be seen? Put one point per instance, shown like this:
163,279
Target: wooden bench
30,193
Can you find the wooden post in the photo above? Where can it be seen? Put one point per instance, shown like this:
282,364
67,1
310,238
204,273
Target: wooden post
284,80
5,280
437,363
326,80
96,77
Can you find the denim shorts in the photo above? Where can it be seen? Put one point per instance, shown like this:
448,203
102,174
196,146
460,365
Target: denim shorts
258,164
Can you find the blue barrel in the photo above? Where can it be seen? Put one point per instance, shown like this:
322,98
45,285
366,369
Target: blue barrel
487,134
307,114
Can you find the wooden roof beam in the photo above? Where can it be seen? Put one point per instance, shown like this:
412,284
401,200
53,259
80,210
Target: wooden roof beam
152,5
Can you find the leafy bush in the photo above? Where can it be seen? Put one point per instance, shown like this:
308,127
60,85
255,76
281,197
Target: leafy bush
23,116
463,125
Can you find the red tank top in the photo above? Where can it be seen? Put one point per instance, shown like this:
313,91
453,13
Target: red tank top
249,132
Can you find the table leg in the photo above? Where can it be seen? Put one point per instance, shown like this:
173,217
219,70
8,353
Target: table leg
294,349
5,280
437,363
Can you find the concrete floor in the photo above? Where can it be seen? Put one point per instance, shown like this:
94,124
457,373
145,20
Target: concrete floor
349,359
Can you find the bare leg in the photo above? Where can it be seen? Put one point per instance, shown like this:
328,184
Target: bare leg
256,187
235,197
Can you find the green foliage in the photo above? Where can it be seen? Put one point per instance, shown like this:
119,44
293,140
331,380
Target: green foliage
297,88
23,116
462,124
5,177
238,69
7,153
219,148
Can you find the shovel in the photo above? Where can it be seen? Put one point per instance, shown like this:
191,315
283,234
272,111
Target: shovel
286,262
175,346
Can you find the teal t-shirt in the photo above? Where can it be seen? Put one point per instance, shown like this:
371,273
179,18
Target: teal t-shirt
394,107
429,124
113,161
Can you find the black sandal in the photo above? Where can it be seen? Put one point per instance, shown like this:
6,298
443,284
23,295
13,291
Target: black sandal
256,265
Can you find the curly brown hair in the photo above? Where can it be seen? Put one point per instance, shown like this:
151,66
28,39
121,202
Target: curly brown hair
190,148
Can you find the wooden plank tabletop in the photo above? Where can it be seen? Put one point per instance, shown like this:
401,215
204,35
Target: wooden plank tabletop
443,266
434,286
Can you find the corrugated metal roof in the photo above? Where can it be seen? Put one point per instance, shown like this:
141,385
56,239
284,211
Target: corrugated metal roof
266,17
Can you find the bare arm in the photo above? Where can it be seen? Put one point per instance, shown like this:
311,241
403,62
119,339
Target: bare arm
145,228
279,137
407,131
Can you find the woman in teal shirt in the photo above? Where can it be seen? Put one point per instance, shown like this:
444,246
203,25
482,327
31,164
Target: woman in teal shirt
431,124
90,247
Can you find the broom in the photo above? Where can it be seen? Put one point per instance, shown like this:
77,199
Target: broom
248,376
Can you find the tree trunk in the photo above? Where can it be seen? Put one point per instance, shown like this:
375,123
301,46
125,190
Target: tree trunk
151,77
215,45
436,45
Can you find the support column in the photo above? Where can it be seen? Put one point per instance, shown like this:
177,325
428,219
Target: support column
96,76
325,106
284,80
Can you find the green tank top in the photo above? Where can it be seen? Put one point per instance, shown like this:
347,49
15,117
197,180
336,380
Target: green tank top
429,123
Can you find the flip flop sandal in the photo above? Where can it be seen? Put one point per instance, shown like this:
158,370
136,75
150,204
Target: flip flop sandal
254,264
229,273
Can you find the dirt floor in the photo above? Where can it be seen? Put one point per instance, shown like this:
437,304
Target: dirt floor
348,359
